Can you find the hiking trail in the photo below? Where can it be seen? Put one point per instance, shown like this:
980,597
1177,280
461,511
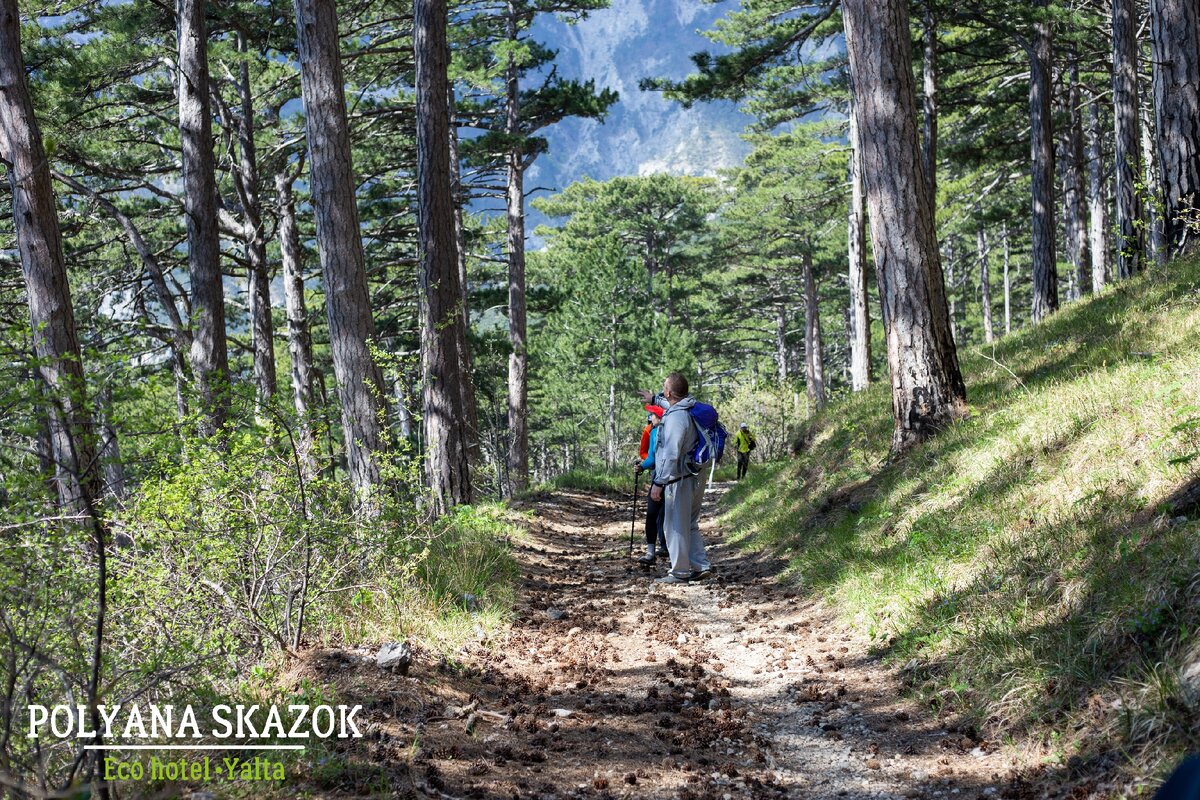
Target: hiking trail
736,687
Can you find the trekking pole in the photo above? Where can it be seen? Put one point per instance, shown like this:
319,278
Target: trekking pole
637,477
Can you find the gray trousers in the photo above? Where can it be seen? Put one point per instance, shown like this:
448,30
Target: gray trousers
681,523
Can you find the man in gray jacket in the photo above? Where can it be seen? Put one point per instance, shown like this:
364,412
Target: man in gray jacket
675,480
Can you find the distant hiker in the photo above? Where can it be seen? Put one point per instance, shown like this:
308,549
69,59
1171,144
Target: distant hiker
677,485
654,508
744,443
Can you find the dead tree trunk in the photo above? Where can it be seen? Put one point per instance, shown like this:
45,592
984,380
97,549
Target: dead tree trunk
299,336
1007,282
1152,188
927,386
209,354
1097,196
1074,189
860,315
1130,242
361,391
1175,27
814,354
444,420
985,283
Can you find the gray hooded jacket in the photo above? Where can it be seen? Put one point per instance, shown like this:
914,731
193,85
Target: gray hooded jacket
676,440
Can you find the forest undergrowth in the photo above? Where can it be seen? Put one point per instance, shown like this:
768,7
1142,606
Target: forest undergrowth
1036,566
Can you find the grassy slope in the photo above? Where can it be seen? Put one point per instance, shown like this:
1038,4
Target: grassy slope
1030,565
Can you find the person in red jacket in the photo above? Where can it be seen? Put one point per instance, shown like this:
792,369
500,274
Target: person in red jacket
654,508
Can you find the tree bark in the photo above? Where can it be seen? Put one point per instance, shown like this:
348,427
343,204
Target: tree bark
44,270
470,410
781,351
1007,282
1175,31
814,354
209,353
985,283
518,368
1041,146
1129,244
1097,196
952,303
261,325
927,386
52,322
1074,188
929,74
360,387
444,419
860,314
299,336
1152,188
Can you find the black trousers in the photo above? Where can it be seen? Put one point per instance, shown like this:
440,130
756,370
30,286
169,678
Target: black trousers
743,464
654,520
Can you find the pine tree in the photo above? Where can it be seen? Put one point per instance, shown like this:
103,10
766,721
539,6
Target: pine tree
347,302
927,386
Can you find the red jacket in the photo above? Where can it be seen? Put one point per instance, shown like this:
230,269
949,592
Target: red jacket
644,450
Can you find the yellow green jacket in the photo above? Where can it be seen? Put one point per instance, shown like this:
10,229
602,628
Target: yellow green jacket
742,441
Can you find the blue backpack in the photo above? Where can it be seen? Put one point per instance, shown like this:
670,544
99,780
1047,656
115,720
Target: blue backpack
710,443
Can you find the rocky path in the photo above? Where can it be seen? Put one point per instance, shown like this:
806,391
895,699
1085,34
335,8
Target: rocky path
610,686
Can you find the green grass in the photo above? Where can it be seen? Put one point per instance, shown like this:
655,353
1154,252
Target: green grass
594,479
1029,558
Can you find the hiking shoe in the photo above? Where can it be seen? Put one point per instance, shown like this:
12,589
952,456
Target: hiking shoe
661,552
700,575
670,579
647,560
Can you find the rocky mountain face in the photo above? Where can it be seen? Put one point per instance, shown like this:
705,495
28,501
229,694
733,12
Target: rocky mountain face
644,132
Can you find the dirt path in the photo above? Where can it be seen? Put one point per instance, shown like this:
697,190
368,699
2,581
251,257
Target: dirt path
731,688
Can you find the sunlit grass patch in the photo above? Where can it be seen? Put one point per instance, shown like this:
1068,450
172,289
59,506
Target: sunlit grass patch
1029,558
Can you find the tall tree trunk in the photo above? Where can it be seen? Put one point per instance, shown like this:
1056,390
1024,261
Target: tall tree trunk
781,349
261,325
361,391
52,322
985,283
1175,27
952,302
927,386
1074,188
1007,282
518,368
209,354
39,244
1097,196
860,314
444,419
1041,147
1152,181
1129,244
814,353
470,410
299,336
929,74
